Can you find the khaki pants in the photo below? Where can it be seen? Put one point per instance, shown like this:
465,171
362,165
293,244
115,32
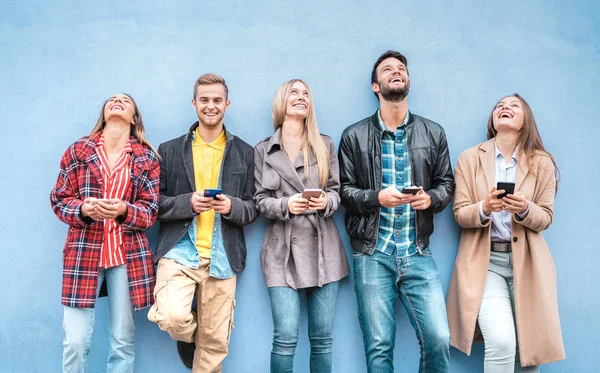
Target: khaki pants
172,310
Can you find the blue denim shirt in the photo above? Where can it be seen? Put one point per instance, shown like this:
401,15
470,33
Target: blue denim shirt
397,226
185,252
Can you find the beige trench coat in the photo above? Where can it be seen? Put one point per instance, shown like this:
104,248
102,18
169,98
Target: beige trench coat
536,308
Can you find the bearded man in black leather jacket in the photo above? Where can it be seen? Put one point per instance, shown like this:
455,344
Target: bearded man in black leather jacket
395,174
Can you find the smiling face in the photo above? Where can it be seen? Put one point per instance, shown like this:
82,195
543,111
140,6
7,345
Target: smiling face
210,103
120,107
508,115
298,102
393,82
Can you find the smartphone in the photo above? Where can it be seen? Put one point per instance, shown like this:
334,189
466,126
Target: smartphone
410,190
94,201
314,193
212,192
509,188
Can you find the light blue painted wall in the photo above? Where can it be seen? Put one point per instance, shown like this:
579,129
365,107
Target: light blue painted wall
60,59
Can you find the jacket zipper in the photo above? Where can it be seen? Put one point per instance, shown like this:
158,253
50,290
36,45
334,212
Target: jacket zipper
412,174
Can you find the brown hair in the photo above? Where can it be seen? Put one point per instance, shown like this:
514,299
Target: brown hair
312,142
210,78
137,128
530,141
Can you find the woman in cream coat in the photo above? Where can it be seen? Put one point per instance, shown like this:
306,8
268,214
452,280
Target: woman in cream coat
508,288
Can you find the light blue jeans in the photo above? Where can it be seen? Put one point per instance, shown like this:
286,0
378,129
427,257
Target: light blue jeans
496,319
379,281
78,324
285,307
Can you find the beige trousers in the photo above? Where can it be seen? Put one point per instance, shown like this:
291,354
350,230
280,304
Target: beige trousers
172,310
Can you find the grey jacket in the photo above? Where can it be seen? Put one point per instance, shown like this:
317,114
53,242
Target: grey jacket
177,186
298,251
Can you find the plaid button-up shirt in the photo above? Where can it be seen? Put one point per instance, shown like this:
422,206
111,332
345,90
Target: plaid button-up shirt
397,229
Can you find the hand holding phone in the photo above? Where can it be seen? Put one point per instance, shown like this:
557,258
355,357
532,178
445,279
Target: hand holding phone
94,201
314,193
508,187
410,190
212,192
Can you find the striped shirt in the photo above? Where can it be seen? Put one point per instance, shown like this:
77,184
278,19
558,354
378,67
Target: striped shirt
397,228
114,185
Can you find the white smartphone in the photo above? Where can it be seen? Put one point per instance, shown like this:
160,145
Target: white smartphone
314,193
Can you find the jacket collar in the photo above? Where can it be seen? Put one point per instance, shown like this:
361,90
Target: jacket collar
189,137
487,157
87,151
280,162
375,121
187,156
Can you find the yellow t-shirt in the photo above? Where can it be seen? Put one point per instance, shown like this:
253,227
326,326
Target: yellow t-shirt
207,165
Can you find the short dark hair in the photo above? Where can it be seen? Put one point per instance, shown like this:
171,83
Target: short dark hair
391,53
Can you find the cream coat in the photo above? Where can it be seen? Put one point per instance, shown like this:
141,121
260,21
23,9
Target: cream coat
537,320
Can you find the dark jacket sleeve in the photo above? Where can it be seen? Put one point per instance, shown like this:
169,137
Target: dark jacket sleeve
243,209
354,199
171,207
442,178
333,183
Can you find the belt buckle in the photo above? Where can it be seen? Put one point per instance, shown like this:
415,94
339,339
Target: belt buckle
501,247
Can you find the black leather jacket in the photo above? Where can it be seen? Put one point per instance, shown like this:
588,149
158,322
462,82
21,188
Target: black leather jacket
360,176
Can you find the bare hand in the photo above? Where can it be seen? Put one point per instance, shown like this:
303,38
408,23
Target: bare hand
515,203
200,203
391,197
87,209
110,209
421,200
296,204
222,204
318,203
492,203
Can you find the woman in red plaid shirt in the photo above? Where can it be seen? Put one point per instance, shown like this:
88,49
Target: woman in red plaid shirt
107,192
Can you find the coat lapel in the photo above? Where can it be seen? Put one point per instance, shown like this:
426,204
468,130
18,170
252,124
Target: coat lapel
488,164
87,153
522,169
188,159
280,162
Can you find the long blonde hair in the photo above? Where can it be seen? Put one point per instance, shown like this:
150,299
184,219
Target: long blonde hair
137,129
530,141
312,143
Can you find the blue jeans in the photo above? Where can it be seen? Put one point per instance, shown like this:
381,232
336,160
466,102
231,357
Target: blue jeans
379,280
285,306
79,325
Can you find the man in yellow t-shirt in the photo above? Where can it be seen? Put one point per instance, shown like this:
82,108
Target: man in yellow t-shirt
201,245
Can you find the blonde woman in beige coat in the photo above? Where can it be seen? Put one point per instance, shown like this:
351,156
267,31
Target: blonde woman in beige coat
504,280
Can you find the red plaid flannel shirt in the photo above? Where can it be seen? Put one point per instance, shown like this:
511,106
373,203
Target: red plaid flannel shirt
80,177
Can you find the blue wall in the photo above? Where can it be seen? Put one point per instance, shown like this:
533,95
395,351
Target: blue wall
60,59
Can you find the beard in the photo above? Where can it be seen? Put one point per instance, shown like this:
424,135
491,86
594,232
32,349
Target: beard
394,94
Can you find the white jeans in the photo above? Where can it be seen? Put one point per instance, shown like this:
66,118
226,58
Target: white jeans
496,319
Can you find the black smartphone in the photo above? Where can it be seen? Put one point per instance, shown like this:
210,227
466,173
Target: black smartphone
410,190
509,188
212,193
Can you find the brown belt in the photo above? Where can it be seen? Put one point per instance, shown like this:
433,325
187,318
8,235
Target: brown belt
501,247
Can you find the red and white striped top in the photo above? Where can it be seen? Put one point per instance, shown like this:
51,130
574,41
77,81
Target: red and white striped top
115,183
